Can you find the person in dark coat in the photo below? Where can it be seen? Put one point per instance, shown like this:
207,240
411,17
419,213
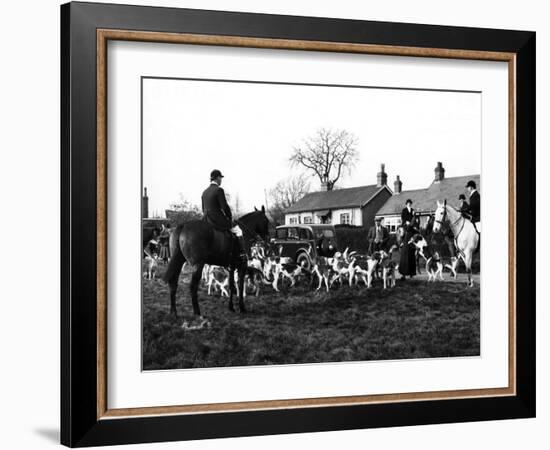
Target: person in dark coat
464,206
407,215
407,262
377,236
475,205
217,212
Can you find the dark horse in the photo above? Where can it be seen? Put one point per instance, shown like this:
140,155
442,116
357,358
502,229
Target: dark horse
198,243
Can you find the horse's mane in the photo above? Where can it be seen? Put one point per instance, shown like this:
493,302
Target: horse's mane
453,208
447,205
247,215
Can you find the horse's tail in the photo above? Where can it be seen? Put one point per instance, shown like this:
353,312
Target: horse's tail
176,260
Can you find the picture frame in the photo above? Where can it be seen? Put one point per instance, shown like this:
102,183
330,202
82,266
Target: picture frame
86,419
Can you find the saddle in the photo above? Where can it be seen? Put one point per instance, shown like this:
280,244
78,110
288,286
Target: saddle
469,217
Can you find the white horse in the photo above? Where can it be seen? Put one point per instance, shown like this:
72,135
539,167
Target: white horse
466,237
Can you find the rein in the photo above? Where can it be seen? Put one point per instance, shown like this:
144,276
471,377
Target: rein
441,222
252,232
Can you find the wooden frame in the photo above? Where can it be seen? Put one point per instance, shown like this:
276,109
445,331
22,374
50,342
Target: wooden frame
86,418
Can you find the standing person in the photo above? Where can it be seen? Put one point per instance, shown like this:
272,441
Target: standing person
407,262
164,241
217,212
377,236
475,204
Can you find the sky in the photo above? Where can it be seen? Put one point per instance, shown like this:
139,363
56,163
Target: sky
249,130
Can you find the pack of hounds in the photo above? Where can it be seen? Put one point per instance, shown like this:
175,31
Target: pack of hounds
344,268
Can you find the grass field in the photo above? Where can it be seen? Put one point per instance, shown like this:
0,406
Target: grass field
413,320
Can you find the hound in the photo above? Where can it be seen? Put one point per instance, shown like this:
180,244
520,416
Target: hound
272,270
365,266
451,264
253,279
205,273
257,263
218,277
150,266
434,267
388,266
342,266
322,268
257,251
435,263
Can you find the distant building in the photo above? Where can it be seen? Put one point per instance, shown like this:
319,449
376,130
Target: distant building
351,206
425,200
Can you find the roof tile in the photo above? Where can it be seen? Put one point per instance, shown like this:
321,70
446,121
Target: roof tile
335,199
425,200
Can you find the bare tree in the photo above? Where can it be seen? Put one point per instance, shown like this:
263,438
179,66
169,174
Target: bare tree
284,194
328,153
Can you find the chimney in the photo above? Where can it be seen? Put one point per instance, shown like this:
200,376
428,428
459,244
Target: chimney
381,177
324,183
397,185
439,172
144,204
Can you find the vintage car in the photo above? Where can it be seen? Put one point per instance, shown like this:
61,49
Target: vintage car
303,243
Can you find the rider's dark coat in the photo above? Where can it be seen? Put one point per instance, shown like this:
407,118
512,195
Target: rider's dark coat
215,208
475,206
407,216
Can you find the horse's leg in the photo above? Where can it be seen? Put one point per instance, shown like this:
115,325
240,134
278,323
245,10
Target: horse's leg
240,282
172,275
468,264
231,287
195,281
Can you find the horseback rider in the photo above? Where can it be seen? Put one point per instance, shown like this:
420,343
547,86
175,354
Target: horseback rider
464,207
217,212
408,219
474,210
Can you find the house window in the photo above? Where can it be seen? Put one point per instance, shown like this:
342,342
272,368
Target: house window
293,221
308,219
345,218
392,223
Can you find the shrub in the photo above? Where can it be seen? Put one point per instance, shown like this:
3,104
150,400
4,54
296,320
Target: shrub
353,237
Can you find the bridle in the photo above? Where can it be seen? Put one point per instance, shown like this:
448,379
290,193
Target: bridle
252,232
441,222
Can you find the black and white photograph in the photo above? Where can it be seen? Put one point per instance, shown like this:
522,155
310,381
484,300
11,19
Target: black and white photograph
294,223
